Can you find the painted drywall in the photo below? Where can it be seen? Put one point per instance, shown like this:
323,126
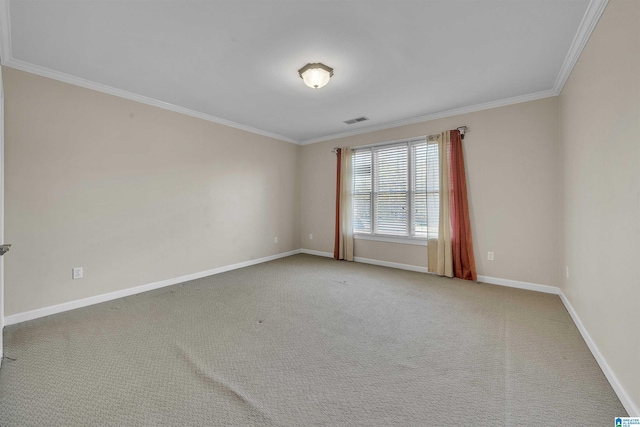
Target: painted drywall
1,213
511,155
600,151
132,193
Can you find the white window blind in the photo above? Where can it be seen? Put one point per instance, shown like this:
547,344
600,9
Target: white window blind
396,190
361,167
419,188
390,188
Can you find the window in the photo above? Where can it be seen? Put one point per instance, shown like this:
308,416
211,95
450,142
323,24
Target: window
396,190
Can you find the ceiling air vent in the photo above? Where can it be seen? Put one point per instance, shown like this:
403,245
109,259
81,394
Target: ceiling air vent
356,120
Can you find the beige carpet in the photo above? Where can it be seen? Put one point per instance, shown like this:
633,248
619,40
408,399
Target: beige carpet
308,341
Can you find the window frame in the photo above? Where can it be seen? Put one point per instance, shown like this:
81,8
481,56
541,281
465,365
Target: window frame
410,238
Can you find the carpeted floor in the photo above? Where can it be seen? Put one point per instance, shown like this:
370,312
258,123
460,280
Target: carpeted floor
308,341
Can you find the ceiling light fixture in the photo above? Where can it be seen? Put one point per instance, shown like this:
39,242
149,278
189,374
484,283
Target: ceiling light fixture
316,75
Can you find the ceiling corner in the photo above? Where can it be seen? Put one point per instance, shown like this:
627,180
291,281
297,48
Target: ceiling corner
5,32
77,81
434,116
587,25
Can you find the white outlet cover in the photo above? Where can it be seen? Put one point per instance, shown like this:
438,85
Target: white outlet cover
310,236
77,273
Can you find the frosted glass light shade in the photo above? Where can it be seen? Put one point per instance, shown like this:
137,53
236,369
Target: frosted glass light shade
315,75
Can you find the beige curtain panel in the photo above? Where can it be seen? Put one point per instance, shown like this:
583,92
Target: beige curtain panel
344,206
444,258
452,253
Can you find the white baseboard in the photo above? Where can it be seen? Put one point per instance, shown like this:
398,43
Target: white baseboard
370,261
626,401
316,253
59,308
391,264
624,397
520,285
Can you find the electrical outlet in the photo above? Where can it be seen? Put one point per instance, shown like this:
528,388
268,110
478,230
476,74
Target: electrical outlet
310,236
567,270
275,239
490,256
77,273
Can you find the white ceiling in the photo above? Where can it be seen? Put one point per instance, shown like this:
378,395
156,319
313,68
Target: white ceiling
236,62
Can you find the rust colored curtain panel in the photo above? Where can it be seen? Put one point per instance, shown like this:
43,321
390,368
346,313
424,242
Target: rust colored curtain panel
464,264
336,245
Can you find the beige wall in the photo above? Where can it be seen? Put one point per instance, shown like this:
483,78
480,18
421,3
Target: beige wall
133,193
600,149
511,155
136,194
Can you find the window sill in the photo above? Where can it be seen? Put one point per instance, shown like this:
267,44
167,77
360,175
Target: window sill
392,239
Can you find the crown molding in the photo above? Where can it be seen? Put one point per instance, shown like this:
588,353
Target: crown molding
435,116
587,25
77,81
6,59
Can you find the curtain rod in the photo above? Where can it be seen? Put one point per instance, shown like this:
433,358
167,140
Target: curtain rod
462,130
